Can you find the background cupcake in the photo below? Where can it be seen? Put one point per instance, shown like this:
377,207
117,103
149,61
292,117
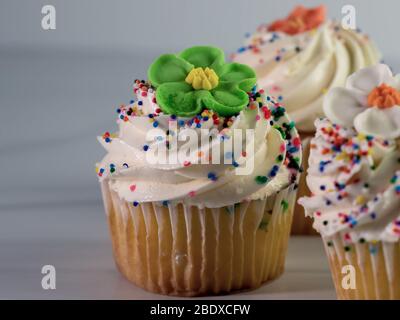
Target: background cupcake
354,175
192,227
298,59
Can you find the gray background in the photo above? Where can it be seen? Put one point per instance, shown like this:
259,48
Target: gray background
59,89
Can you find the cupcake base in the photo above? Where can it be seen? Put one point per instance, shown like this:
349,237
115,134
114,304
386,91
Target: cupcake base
188,251
376,268
302,225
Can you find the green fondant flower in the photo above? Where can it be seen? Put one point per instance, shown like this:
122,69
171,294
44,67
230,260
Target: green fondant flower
199,78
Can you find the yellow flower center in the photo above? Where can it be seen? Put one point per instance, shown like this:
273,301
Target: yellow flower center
202,79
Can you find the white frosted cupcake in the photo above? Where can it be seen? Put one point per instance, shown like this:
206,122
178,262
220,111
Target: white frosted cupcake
200,226
298,59
354,175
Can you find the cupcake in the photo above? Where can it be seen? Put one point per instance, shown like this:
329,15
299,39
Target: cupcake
297,60
354,177
189,215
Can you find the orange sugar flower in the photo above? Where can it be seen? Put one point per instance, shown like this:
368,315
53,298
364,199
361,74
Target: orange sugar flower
383,97
300,20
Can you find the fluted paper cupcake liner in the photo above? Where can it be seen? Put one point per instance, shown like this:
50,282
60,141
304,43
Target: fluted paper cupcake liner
188,251
375,267
302,225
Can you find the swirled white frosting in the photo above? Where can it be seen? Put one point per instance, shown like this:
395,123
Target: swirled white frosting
355,182
137,180
301,68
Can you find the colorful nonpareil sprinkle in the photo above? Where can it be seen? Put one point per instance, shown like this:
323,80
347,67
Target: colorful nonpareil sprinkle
261,179
285,205
212,176
192,193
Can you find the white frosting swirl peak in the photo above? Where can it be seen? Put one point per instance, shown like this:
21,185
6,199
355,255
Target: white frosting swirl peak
301,68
